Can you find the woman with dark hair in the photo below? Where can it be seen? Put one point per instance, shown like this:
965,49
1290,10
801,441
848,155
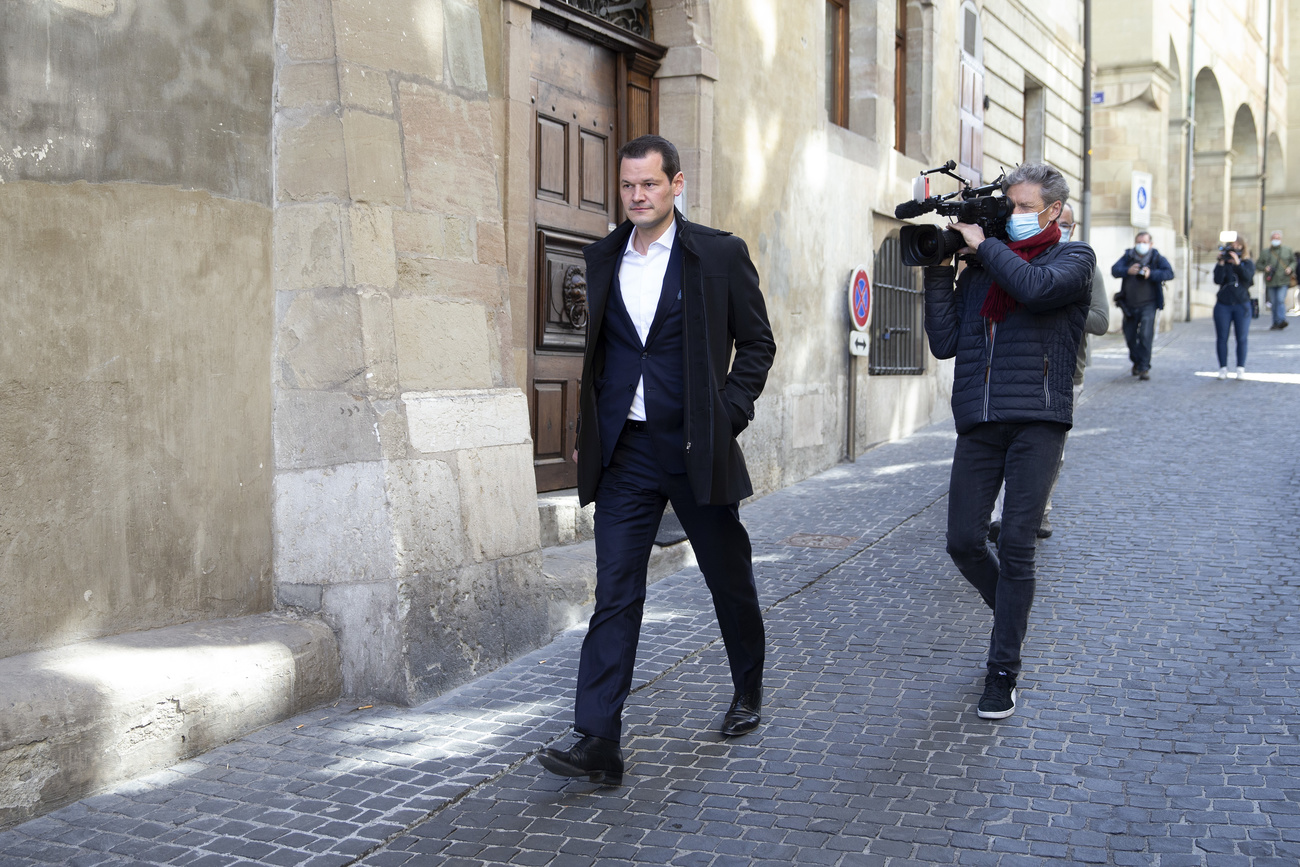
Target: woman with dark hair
1234,273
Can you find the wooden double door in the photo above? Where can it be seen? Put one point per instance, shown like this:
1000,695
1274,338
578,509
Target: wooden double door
592,89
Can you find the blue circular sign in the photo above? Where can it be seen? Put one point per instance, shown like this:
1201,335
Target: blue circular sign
1142,197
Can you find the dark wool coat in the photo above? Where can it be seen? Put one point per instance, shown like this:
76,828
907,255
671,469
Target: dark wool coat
723,309
1020,369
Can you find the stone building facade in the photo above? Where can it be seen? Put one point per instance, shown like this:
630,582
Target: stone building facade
294,293
1156,77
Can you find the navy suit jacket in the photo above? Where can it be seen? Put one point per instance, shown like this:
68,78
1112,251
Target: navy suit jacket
722,310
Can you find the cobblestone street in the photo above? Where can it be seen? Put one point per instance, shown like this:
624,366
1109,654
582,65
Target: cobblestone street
1157,721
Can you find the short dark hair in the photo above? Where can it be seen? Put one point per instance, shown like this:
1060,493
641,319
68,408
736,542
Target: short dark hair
1140,234
642,146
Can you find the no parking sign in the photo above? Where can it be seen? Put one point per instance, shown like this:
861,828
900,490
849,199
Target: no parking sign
860,298
859,310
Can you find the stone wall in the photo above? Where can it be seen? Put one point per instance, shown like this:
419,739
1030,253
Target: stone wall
405,506
135,460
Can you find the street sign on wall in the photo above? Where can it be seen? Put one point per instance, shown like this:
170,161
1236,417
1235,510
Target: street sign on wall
1140,204
860,298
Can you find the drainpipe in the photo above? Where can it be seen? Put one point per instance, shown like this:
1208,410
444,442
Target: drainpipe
1188,160
1263,165
1087,123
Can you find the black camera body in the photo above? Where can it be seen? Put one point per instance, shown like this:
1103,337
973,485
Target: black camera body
984,206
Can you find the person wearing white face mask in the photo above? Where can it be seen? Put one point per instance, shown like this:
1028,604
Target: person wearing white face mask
1143,272
1013,324
1278,264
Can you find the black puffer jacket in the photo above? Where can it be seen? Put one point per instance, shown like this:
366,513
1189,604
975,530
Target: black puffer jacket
1020,369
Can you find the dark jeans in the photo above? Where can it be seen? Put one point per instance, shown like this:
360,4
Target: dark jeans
1277,298
630,501
1026,455
1139,331
1238,317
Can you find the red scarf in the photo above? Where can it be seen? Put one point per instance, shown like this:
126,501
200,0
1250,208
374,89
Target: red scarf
997,304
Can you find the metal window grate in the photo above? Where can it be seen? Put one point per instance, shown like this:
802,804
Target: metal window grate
897,344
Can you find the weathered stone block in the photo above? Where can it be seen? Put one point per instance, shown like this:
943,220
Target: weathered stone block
425,503
370,255
333,526
402,35
309,161
469,621
96,713
378,343
451,279
444,421
307,85
374,154
449,148
368,620
366,88
441,344
491,243
322,428
498,497
318,341
464,41
308,247
305,29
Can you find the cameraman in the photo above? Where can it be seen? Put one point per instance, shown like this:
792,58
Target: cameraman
1143,272
1014,324
1234,274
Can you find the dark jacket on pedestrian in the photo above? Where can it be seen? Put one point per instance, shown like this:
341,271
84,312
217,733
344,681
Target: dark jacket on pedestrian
1273,264
721,308
1135,290
1022,368
1234,281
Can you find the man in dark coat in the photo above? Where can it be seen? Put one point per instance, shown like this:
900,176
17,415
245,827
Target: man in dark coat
662,401
1142,272
1014,324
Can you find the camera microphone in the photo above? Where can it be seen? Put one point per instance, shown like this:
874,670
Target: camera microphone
908,210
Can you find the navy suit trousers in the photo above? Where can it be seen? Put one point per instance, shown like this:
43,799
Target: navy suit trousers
630,502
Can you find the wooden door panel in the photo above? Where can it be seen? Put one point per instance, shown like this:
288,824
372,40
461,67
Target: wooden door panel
552,158
594,170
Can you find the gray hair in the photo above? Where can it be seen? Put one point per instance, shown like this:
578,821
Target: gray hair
1049,180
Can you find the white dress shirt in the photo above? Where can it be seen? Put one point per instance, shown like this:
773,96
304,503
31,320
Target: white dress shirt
641,280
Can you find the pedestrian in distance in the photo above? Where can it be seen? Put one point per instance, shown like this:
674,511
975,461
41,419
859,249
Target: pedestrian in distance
1234,273
662,402
1014,325
1098,322
1142,272
1278,265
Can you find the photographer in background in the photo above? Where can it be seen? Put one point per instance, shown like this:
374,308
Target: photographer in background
1142,271
1278,265
1014,324
1234,273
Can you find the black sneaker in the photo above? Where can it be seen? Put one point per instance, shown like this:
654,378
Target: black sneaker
995,530
999,699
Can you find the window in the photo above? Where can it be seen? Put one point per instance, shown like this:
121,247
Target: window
972,96
837,62
897,346
900,77
1035,120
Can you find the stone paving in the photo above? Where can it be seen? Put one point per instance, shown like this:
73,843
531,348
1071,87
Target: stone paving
1157,724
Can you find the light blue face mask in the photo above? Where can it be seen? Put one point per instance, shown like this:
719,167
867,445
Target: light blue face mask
1022,226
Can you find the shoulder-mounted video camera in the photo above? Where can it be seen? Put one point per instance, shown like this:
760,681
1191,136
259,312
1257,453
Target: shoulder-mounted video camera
984,206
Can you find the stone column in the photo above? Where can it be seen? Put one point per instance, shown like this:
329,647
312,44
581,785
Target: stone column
1211,195
405,508
686,79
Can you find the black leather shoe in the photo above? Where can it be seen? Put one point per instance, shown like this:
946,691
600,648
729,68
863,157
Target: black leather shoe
598,759
742,717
